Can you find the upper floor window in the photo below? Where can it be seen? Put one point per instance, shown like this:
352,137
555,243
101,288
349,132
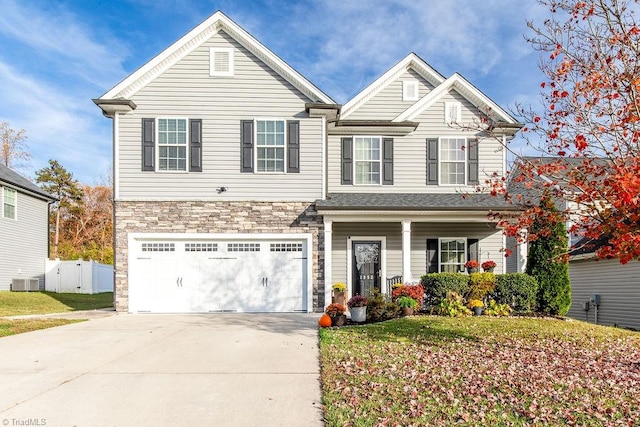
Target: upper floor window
409,90
221,61
367,159
452,112
9,202
172,144
452,161
270,145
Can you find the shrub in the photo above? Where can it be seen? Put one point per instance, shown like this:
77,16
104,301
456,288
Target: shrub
495,309
335,309
519,290
357,301
452,306
406,302
412,291
436,286
480,284
379,309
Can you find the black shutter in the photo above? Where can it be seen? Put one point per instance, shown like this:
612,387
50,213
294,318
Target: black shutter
148,145
472,149
473,251
347,161
387,161
195,145
246,142
432,161
293,146
432,256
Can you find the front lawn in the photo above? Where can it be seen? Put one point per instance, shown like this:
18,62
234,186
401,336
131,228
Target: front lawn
437,371
13,327
23,303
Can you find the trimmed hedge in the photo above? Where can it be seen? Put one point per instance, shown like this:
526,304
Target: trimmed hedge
436,286
519,290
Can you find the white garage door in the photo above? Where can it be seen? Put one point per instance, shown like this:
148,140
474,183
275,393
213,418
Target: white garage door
217,275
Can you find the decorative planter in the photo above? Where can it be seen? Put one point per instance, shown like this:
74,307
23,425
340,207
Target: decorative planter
477,311
338,320
472,270
339,298
407,311
358,314
488,270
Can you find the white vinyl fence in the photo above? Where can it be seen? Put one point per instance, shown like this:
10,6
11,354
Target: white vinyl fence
82,277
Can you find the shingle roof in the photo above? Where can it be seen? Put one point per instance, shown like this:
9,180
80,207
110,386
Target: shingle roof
17,180
412,201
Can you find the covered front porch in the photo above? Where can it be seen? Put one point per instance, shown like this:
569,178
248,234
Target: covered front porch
371,244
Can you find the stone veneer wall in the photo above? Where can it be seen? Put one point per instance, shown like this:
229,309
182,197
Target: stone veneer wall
215,217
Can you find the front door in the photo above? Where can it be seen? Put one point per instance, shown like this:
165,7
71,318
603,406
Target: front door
366,267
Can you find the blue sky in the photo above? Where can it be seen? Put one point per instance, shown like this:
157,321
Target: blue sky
55,56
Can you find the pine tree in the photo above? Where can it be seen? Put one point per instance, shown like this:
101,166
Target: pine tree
547,260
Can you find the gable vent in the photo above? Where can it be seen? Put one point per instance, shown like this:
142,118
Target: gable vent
221,62
409,90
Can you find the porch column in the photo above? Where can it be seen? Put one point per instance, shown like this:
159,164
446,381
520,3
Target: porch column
407,277
327,261
523,252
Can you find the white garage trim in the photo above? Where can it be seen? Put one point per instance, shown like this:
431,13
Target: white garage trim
135,241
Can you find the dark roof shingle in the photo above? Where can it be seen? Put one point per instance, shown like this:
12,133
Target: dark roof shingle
17,180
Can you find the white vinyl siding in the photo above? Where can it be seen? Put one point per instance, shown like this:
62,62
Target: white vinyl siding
389,102
409,153
9,203
221,62
172,144
187,90
270,146
452,253
452,158
367,159
24,245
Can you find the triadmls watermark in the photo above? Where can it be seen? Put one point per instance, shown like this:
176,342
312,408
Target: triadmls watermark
24,422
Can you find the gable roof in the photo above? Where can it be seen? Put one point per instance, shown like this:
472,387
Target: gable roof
466,89
411,61
21,183
196,37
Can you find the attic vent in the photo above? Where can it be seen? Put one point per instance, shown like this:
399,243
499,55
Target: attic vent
452,112
221,62
409,91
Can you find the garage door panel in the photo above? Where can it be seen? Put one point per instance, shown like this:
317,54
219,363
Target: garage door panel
218,275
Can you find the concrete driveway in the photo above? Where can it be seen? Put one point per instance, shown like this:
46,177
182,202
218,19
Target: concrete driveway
164,370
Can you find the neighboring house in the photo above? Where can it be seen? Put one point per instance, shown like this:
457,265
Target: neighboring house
24,229
240,186
617,285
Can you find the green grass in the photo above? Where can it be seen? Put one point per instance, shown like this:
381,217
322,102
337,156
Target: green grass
13,327
24,303
437,371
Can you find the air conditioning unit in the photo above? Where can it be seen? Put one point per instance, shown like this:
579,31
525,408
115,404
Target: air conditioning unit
25,285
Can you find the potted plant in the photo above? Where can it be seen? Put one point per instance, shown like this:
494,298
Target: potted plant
472,266
407,305
336,312
477,306
339,290
488,266
358,308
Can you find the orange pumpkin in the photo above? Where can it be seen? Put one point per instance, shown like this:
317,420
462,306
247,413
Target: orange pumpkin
324,321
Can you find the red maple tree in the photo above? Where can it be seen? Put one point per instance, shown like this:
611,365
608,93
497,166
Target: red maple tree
588,130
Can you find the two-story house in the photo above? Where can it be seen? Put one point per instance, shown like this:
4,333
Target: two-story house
241,186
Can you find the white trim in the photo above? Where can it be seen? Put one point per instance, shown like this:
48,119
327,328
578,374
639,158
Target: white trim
324,157
462,86
212,54
328,260
440,160
157,144
194,39
307,238
285,147
381,150
410,90
383,261
412,61
15,205
407,277
116,156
